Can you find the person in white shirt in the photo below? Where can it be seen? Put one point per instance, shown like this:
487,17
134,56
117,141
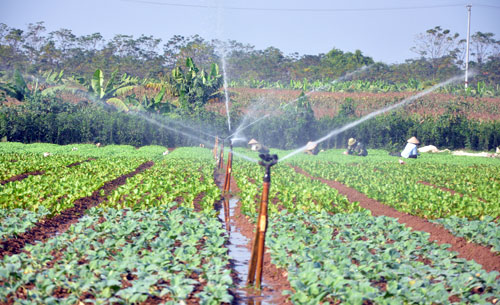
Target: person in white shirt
410,150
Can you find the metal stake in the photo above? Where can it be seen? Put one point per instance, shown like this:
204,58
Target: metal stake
227,186
257,258
216,146
221,156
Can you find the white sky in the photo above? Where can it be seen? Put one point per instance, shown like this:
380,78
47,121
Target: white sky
379,28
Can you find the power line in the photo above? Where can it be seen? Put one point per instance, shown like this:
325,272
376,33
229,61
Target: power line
486,5
319,10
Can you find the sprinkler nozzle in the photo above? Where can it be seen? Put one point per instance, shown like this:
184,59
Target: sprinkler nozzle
268,161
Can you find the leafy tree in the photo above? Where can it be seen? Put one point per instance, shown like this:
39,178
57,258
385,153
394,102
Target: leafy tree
336,63
484,46
436,43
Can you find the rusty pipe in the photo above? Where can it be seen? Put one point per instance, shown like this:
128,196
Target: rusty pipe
216,145
257,258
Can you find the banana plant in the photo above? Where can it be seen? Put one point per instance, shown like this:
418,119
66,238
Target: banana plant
154,104
16,88
108,91
194,87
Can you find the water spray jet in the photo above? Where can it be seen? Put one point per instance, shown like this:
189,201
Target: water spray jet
374,114
240,129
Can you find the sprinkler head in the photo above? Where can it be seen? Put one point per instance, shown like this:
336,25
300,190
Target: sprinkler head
268,160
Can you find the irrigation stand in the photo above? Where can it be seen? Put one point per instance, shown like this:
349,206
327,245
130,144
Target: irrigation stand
227,185
227,180
257,258
221,155
216,145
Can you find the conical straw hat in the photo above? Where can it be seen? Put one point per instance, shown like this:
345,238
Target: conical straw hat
413,140
252,142
311,145
351,141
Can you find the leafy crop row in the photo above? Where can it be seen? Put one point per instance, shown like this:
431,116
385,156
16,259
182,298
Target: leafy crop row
289,190
120,256
12,164
57,189
384,179
485,231
17,221
354,258
171,179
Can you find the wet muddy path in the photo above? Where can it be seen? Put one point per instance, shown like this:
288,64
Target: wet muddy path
240,234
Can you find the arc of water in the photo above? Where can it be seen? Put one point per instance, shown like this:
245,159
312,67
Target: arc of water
240,129
177,123
373,114
206,143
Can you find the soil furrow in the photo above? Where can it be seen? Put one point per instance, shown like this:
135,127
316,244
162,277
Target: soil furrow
47,228
468,250
22,177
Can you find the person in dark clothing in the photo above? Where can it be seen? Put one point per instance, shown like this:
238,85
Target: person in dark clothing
355,148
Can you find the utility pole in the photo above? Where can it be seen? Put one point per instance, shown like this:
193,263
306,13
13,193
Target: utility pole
468,6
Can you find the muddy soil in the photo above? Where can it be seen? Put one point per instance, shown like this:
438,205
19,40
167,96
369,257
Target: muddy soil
276,278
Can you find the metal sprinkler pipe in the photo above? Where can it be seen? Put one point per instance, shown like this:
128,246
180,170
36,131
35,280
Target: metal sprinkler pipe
257,258
216,145
221,155
227,180
227,187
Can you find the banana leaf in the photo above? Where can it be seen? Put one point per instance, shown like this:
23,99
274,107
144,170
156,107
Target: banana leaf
118,103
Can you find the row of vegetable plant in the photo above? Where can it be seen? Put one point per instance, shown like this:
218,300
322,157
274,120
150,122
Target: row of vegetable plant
384,179
360,259
58,189
125,257
183,176
13,164
289,190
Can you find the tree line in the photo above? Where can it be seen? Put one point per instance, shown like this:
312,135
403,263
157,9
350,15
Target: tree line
440,54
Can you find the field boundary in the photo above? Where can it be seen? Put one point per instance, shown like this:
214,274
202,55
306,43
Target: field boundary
47,228
468,250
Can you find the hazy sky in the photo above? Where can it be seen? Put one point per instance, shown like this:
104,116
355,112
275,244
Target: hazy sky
382,29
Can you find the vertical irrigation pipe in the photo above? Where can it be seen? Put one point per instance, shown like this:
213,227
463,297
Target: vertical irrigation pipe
216,145
257,258
227,187
221,155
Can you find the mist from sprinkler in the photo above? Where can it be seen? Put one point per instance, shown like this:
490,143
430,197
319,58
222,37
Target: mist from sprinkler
222,50
348,75
374,114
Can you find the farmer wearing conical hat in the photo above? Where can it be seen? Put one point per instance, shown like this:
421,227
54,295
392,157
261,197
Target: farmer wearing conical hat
410,150
311,148
355,147
256,146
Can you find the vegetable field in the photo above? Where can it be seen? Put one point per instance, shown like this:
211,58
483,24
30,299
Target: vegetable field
149,231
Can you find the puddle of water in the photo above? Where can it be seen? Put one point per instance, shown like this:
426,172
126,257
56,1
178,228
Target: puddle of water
240,255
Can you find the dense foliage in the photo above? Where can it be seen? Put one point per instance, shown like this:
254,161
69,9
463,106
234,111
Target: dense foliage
33,49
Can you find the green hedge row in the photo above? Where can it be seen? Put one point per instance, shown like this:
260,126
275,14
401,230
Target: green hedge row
53,121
